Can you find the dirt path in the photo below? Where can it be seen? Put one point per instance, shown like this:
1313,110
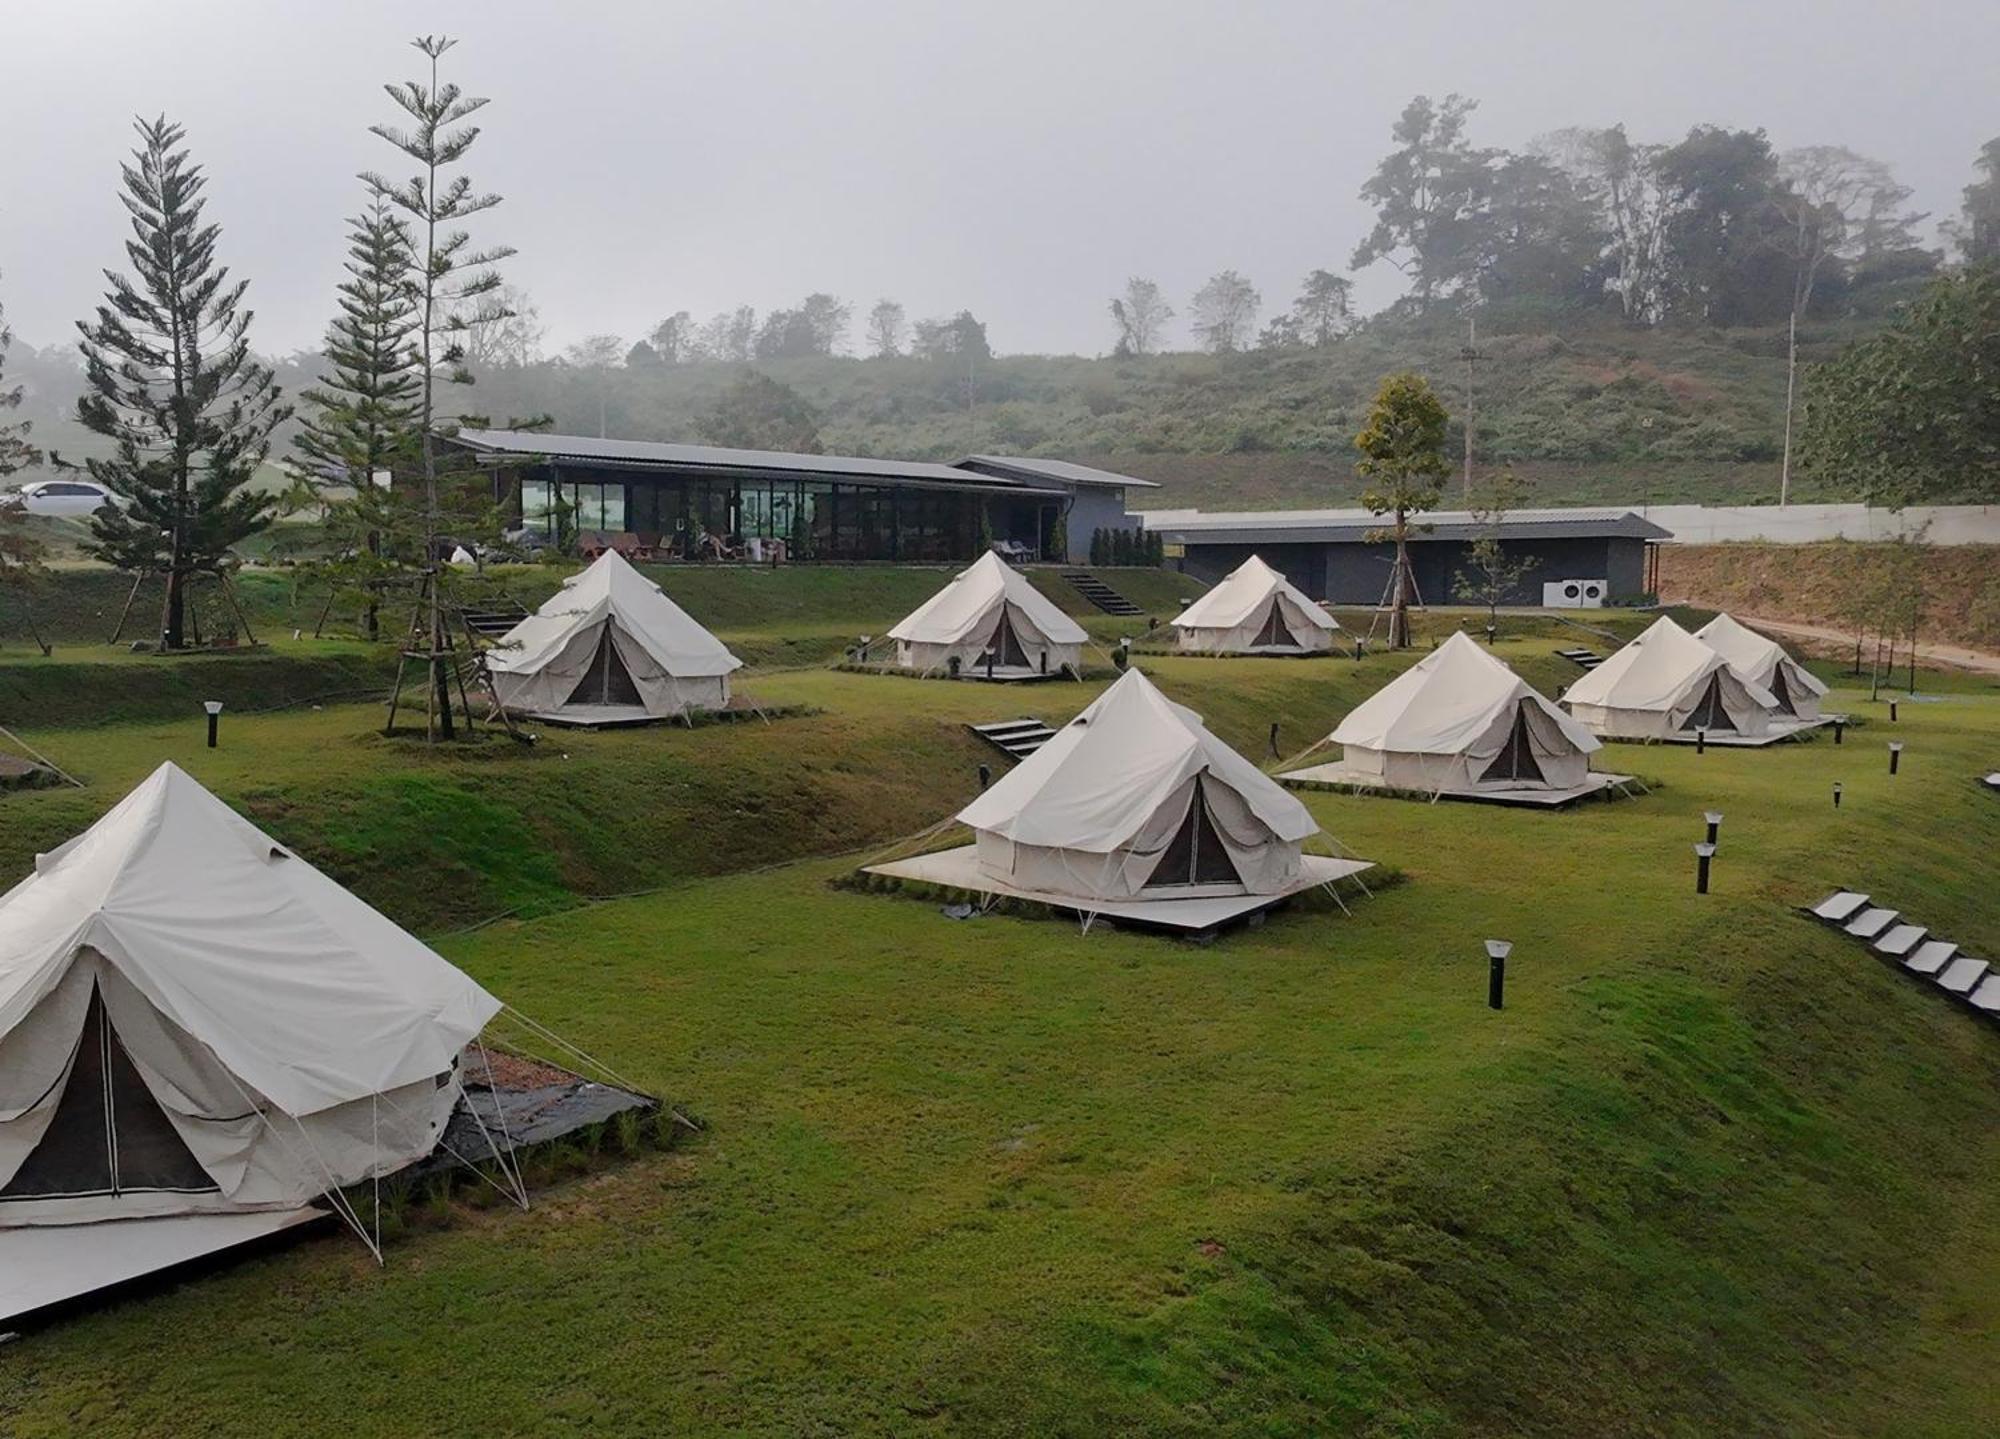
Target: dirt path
1954,656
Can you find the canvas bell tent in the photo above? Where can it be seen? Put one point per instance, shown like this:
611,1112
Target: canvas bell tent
1255,611
1666,684
989,611
609,647
1135,798
1459,722
1764,663
195,1021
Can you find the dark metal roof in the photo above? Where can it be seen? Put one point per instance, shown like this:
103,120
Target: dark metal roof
662,457
1016,467
1191,527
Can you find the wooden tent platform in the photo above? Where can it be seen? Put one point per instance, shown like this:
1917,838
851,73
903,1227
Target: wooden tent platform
1334,776
958,869
1777,734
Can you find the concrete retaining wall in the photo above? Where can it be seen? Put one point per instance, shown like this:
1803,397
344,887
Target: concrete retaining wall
1801,524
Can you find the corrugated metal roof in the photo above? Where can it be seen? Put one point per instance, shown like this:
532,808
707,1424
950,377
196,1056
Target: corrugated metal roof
1063,470
660,455
1351,526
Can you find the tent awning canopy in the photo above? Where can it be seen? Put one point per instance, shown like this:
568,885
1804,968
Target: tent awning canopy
611,589
966,606
1447,703
1107,772
303,992
1244,594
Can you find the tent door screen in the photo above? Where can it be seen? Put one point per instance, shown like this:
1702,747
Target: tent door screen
1196,854
1274,632
607,681
1516,760
108,1134
1710,714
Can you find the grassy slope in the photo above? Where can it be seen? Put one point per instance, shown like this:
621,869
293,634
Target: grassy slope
1713,1168
1818,583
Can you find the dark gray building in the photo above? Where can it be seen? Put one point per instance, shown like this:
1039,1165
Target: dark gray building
1330,554
825,507
1097,497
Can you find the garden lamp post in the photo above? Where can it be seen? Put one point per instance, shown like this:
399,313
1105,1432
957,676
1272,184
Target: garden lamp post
1497,951
1836,794
1714,818
1895,754
1703,854
213,708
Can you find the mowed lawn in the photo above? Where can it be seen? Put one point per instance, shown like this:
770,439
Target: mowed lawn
1714,1169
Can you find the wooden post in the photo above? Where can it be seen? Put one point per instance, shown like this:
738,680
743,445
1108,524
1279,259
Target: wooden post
124,614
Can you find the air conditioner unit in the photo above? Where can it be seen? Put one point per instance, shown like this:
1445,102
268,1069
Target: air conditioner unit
1575,594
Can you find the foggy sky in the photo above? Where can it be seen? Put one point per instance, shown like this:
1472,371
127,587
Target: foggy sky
1019,159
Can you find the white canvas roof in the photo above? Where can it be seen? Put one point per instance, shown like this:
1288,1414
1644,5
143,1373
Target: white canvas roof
1241,596
1655,672
1753,656
612,588
1446,702
1104,775
960,608
302,991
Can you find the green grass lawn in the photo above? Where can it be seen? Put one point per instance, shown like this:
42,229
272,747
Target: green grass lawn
1713,1170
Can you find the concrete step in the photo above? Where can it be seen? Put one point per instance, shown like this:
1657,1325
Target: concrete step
1931,956
1841,906
1963,975
1018,738
1898,940
1099,593
1986,995
1588,659
1871,922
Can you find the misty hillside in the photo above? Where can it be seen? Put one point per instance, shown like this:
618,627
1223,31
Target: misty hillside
1595,412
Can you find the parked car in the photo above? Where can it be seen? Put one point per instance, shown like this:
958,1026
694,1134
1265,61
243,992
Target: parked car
71,499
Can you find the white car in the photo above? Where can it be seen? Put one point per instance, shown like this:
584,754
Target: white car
71,499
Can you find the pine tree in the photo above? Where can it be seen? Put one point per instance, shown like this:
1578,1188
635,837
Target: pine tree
172,384
454,290
19,550
359,422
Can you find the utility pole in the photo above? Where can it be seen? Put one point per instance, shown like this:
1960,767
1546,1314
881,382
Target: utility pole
1470,354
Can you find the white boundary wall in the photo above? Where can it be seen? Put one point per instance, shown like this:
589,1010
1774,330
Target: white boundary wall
1801,524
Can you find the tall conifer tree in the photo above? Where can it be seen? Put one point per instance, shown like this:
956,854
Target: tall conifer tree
359,423
171,382
19,550
454,289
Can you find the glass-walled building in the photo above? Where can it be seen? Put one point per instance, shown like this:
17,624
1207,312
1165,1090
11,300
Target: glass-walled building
690,500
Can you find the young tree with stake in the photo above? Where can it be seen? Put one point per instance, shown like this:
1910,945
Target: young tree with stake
1491,571
1403,459
453,288
171,382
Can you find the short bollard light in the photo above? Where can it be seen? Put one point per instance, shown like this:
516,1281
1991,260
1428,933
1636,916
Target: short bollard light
1839,730
985,776
1892,711
1836,794
1704,854
1274,739
1714,818
1701,739
1895,755
214,710
1497,951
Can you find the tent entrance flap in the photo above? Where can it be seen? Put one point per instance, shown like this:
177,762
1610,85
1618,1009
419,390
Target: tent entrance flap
1516,760
1782,691
108,1135
1274,632
1196,854
1711,713
1008,652
607,681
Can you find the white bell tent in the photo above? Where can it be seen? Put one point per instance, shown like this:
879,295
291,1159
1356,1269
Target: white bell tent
1668,685
989,609
1764,663
1459,723
1255,611
195,1021
609,647
1134,798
